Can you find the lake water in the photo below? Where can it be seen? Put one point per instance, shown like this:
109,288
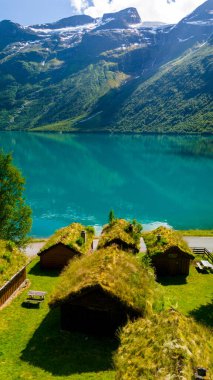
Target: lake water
155,179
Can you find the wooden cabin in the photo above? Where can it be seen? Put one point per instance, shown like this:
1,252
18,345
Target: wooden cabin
169,253
95,311
96,294
123,234
67,243
13,270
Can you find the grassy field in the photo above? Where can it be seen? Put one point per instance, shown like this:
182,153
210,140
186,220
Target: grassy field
196,232
33,347
192,295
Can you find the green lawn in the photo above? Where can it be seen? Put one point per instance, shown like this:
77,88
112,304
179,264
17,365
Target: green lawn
197,232
192,295
33,347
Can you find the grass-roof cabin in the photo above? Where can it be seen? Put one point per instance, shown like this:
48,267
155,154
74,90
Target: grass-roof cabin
98,293
169,253
67,243
12,269
123,234
166,346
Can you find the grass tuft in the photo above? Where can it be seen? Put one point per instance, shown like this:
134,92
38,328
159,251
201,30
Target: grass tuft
166,346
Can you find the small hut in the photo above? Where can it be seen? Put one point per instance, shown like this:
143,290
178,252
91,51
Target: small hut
67,243
169,253
123,234
100,292
166,346
12,269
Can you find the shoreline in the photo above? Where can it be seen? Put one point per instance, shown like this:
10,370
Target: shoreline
109,132
190,232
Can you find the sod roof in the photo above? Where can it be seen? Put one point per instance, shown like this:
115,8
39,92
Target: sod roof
11,261
162,239
118,273
166,346
70,236
121,229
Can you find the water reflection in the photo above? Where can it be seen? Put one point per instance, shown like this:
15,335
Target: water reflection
81,177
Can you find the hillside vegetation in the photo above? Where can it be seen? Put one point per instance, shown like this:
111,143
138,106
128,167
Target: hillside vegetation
178,98
11,261
108,77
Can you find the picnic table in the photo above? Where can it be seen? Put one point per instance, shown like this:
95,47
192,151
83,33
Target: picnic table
34,298
36,295
206,264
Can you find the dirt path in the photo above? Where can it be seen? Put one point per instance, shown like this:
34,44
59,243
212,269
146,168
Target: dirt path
198,241
33,248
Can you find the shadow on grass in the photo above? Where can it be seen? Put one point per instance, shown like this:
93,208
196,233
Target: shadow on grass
172,280
204,314
37,271
28,305
63,353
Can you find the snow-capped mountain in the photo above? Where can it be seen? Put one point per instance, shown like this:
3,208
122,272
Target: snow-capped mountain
113,30
49,67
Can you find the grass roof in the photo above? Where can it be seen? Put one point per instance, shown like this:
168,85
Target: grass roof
166,346
128,232
161,239
118,273
71,237
11,261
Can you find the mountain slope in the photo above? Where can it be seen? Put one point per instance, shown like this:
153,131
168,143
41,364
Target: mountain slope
11,32
176,99
109,74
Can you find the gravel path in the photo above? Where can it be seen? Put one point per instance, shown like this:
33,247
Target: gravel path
193,241
198,241
33,248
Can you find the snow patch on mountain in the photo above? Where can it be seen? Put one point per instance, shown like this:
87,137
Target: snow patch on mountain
200,22
185,39
80,28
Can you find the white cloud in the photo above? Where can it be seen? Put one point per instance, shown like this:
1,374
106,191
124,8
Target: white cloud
170,11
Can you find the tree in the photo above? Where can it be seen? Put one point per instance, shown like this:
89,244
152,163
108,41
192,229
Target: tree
15,215
111,216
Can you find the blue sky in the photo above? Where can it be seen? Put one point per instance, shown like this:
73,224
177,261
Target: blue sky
40,11
34,11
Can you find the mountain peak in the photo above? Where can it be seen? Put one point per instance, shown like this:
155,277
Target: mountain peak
72,21
127,16
204,13
11,32
121,19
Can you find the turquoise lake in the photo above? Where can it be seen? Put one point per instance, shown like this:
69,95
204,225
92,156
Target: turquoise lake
155,179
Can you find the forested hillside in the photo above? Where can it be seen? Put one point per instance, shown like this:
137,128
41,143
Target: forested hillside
110,74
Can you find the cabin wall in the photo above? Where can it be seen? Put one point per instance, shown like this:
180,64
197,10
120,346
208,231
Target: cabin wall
11,286
99,314
172,263
56,257
122,245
